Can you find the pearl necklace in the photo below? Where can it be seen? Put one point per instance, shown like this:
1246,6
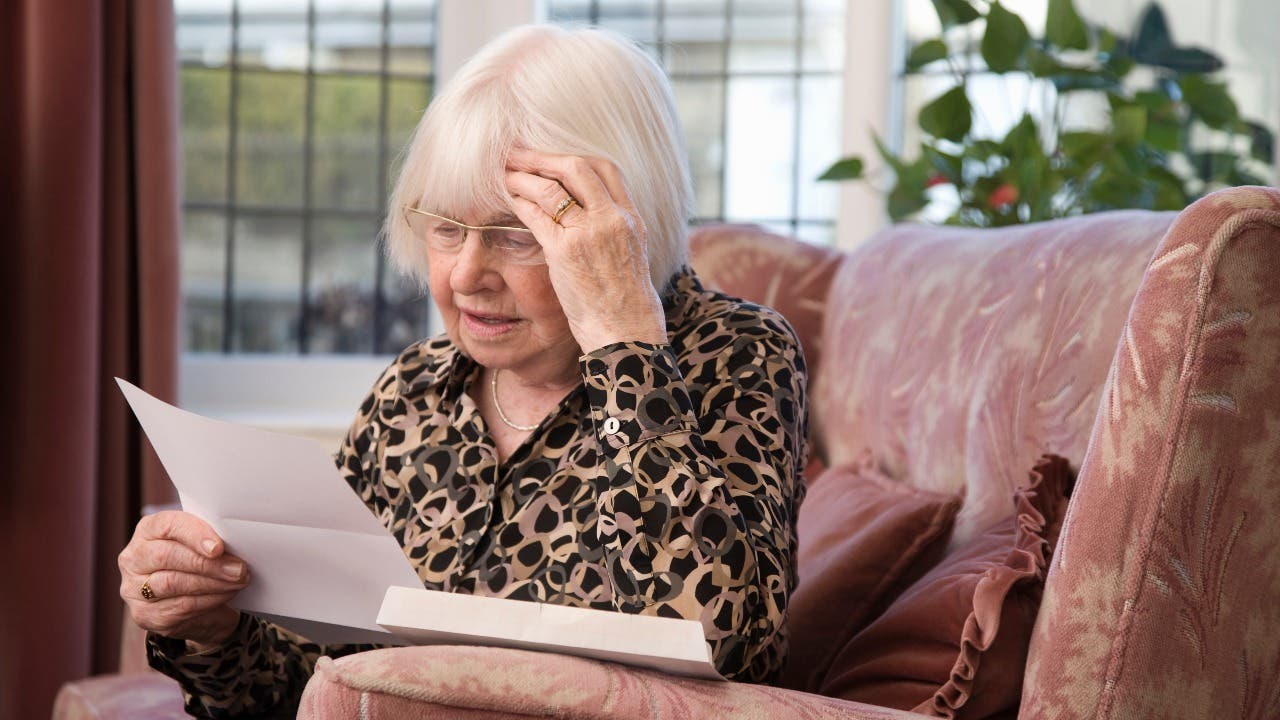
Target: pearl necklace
493,391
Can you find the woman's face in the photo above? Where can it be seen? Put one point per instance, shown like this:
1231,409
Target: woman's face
502,315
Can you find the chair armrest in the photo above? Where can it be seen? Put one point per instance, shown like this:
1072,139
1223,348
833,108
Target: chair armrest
1161,601
142,696
486,682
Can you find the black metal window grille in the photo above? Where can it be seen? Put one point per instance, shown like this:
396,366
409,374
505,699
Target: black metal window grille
278,239
292,116
707,48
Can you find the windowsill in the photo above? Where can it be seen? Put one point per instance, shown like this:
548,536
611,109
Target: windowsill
315,396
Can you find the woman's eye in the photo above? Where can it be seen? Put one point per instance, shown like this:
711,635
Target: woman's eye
516,241
447,232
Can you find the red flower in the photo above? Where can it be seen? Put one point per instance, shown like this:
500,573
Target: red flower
936,179
1002,197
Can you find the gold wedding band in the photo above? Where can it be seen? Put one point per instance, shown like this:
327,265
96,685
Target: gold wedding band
147,592
562,208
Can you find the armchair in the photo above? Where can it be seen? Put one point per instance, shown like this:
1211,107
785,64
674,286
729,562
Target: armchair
1144,347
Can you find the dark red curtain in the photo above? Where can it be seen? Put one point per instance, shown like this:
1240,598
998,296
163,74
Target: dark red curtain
89,195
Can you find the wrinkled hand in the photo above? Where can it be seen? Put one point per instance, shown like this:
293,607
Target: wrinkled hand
597,255
183,561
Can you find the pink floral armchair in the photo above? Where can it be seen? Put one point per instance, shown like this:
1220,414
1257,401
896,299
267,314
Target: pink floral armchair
1144,347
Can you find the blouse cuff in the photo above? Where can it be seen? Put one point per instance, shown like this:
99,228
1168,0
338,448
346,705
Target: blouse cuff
636,393
194,670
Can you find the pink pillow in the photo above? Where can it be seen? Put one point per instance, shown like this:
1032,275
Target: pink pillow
955,643
863,539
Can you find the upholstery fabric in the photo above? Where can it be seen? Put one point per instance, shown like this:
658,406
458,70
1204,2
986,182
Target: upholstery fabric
863,539
1162,600
965,353
955,643
788,275
149,696
479,682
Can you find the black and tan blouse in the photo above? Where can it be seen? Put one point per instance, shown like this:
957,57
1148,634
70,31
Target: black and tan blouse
666,484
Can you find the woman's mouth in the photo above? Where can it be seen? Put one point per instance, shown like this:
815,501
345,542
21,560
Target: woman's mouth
485,325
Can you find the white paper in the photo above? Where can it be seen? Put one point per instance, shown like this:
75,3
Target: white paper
324,567
428,617
320,560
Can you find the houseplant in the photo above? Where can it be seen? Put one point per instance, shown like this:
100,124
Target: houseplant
1170,134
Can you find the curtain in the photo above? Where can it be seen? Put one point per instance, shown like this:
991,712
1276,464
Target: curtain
89,195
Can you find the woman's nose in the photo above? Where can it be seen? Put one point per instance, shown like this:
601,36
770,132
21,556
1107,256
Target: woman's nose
472,267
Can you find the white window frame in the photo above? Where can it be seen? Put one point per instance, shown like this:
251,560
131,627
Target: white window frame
317,395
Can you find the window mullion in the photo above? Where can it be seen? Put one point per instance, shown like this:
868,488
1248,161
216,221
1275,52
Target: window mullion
308,141
233,104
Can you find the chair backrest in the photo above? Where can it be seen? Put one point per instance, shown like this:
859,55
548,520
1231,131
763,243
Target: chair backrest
783,273
956,357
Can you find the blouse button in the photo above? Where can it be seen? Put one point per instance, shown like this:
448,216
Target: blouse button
611,425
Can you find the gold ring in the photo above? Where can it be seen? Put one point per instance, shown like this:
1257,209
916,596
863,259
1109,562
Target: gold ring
147,592
563,208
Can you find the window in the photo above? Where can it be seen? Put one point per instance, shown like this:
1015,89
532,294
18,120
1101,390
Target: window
292,115
293,112
758,88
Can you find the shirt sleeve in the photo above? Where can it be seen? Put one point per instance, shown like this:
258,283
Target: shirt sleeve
697,502
262,668
259,671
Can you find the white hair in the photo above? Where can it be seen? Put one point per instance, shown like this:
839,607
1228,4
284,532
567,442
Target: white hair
586,92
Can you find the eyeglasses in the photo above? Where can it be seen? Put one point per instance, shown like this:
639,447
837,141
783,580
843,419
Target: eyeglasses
515,245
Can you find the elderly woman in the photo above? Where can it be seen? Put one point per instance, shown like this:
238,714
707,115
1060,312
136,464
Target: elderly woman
594,428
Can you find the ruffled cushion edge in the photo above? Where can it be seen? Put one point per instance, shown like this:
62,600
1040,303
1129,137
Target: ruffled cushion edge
1038,508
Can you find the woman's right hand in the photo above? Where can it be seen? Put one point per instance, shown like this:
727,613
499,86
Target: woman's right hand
182,561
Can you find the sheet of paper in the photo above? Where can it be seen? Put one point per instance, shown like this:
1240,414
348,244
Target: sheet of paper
428,617
320,560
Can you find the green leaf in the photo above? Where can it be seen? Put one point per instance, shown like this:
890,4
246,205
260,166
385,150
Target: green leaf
1209,100
1083,80
1263,142
1005,41
898,164
1163,135
1153,35
1240,176
1063,26
1211,166
1042,64
1129,123
849,168
905,201
925,53
1170,194
1084,148
1187,60
908,194
947,165
955,12
949,116
1023,140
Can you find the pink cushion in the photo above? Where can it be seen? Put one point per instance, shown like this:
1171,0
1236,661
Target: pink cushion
955,643
786,274
438,682
863,539
960,355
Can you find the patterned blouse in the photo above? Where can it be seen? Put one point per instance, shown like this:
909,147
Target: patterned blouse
666,484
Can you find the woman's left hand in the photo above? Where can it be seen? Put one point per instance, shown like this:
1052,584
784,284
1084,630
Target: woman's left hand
597,255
